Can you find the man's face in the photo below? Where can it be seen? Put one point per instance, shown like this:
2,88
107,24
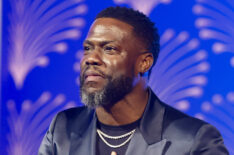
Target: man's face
108,68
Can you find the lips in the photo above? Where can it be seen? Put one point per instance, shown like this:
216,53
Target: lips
92,76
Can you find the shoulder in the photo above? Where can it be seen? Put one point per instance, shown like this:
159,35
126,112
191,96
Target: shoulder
196,135
180,123
174,118
73,117
75,112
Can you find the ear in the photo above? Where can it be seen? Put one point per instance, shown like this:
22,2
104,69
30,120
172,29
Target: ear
145,62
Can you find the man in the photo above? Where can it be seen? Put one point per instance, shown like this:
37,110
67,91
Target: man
122,115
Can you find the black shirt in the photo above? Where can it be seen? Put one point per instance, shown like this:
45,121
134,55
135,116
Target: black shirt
102,148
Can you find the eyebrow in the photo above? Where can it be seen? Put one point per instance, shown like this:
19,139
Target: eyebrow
102,43
87,42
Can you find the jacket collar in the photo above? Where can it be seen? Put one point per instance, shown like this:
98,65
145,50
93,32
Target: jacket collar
152,120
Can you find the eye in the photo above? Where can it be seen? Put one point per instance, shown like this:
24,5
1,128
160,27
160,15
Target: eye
86,48
110,49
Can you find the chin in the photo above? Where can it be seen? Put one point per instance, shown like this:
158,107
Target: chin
91,87
92,90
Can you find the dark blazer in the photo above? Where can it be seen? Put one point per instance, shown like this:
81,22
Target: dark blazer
162,131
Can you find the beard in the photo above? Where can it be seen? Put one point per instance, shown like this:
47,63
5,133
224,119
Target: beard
112,92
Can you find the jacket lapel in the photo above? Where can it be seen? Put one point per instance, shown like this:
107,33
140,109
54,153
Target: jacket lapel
138,146
147,139
151,125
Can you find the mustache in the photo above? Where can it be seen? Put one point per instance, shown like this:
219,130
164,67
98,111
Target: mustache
96,69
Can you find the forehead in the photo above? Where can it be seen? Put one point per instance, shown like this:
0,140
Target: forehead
110,28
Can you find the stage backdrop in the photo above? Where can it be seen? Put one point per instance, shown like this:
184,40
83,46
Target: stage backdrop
41,50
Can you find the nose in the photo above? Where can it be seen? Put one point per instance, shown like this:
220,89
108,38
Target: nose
93,58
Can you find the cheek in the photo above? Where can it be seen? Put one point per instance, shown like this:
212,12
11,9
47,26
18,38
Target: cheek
120,66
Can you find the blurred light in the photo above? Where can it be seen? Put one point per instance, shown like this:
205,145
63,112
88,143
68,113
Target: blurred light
206,106
217,99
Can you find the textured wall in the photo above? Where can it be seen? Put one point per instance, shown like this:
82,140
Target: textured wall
41,51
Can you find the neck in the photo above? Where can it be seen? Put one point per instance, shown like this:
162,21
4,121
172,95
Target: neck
127,110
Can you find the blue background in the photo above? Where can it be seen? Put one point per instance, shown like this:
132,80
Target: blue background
41,50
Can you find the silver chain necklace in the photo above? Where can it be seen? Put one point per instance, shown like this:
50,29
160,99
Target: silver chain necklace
102,135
